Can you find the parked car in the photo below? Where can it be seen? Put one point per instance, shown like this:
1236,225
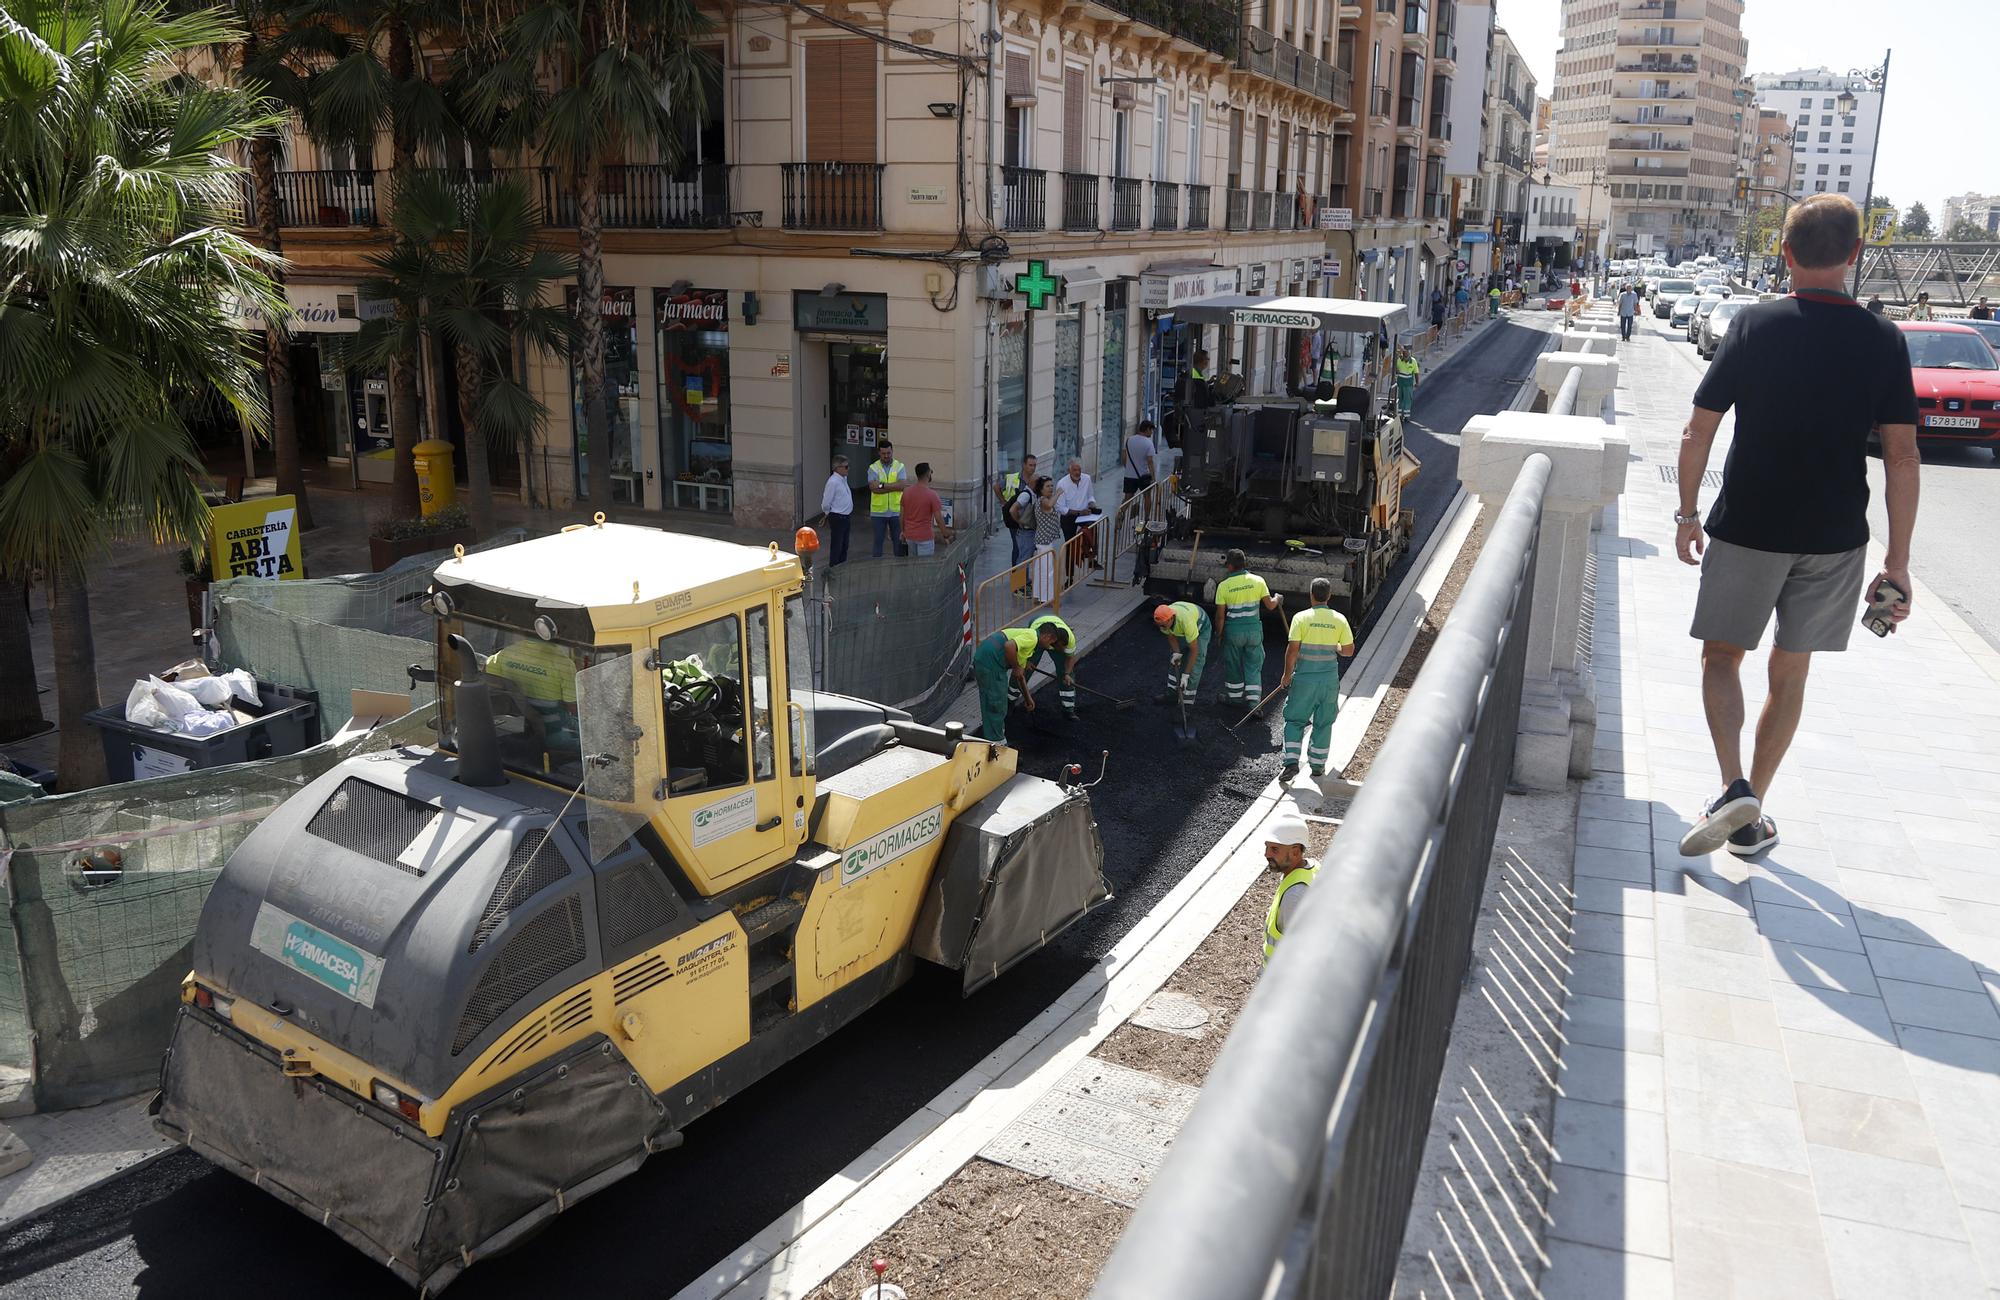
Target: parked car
1709,302
1668,293
1683,310
1988,330
1717,325
1958,383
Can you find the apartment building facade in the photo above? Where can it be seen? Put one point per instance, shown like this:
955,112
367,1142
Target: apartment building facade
1831,151
889,226
1981,210
1652,91
1465,158
1500,198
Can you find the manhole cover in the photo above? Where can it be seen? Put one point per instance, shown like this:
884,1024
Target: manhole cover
1173,1013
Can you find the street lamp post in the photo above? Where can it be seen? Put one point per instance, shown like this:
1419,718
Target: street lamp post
1877,81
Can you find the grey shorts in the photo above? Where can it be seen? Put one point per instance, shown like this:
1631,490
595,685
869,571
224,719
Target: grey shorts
1817,597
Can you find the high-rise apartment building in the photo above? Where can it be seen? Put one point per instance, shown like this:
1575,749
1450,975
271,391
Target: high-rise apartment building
1506,150
1981,210
1831,151
1651,91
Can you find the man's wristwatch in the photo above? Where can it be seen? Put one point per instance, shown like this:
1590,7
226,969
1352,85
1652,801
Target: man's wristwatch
1680,518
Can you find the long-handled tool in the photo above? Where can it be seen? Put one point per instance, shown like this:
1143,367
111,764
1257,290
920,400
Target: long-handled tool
1112,700
1256,709
1191,587
1185,731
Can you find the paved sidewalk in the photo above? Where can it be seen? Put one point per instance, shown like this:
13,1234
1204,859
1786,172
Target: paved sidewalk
1782,1076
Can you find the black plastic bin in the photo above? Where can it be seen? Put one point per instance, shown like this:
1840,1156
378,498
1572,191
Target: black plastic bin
289,723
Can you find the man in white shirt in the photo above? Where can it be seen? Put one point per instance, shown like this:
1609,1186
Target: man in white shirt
837,501
1073,498
1628,312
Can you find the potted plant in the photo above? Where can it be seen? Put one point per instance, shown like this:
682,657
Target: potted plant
391,540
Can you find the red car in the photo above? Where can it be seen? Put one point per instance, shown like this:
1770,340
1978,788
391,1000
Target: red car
1958,383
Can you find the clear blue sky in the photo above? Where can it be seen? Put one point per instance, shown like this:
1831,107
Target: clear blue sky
1938,122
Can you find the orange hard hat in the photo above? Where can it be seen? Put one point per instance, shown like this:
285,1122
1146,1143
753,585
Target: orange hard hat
1163,614
805,541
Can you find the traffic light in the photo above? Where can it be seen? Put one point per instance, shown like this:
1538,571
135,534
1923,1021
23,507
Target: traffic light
1742,189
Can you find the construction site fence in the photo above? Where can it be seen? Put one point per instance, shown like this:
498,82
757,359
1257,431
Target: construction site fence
894,629
103,890
1294,1174
334,635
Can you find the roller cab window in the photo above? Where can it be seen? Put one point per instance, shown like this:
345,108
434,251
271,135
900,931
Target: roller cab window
715,691
531,686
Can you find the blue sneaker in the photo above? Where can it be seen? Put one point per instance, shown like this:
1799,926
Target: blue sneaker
1734,809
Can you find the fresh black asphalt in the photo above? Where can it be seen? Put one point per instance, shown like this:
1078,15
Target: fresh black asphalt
179,1228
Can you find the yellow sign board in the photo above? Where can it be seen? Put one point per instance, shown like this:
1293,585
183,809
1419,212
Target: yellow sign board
255,539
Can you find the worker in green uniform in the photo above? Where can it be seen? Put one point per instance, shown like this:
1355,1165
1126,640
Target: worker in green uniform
1060,665
1240,601
1187,629
1320,638
1406,380
1285,850
545,675
1493,301
1000,666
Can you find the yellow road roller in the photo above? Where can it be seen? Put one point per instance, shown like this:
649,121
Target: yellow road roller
444,994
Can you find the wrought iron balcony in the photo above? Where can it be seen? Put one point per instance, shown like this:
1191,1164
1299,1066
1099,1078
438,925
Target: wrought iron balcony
1197,218
1081,205
1260,209
1024,198
327,198
1212,24
643,196
1286,63
1378,101
1124,203
1238,214
832,195
1166,205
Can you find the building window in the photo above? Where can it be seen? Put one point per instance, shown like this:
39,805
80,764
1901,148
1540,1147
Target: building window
1819,187
1806,102
1111,394
1847,137
1826,119
693,347
1068,386
1822,169
1011,393
1194,142
621,395
1825,136
1824,103
1848,120
1846,169
1843,187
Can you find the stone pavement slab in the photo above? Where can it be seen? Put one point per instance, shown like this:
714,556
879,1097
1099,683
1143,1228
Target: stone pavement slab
1819,1118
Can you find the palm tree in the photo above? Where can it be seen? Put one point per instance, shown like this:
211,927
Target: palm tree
117,264
628,76
372,76
466,269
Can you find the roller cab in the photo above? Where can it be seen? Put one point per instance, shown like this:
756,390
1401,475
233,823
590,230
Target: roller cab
443,994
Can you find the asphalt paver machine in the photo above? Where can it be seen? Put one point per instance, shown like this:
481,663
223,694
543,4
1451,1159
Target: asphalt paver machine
1307,486
443,994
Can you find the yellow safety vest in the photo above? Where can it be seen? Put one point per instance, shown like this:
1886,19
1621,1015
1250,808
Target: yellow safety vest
884,496
545,672
1407,366
1187,621
1302,876
1240,595
1025,640
1320,633
1050,620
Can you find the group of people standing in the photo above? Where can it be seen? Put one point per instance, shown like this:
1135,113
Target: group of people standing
906,512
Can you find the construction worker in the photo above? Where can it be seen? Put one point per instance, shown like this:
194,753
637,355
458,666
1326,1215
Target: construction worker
1406,380
545,675
1000,666
1187,629
886,480
1320,638
1240,601
1060,665
1285,850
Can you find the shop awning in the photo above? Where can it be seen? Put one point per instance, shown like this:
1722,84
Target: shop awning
1438,249
1082,283
1348,315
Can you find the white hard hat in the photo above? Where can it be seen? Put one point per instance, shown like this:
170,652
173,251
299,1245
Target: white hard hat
1286,828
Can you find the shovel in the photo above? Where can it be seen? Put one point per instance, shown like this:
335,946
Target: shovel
1185,731
1113,700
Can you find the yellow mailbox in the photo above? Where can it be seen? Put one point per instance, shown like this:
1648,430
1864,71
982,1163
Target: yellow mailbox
435,489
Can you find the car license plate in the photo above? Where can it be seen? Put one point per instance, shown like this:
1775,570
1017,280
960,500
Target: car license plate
1952,421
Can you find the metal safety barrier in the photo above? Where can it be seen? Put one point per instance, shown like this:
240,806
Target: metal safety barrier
1294,1174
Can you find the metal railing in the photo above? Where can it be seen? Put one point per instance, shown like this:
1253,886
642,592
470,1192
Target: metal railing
1024,198
328,198
1294,1174
1125,203
1197,216
1080,202
1378,101
1260,209
832,195
645,196
1124,533
1166,205
1238,214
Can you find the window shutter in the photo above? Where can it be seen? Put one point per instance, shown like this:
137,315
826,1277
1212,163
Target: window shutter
1074,105
1020,80
840,101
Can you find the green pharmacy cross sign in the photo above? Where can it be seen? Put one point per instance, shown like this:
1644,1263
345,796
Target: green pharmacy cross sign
1036,284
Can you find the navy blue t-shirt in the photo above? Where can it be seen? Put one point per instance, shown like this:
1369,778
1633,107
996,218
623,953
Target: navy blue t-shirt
1809,378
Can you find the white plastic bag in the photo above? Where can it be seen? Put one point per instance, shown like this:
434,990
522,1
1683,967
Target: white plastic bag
142,711
213,692
205,722
172,700
241,684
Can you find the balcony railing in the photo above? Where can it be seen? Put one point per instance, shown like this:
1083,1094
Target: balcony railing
1260,209
1670,173
1648,146
1166,205
1662,119
644,196
1649,39
1024,198
1238,213
1197,207
1378,101
1338,195
1212,24
1688,69
1282,61
832,195
1124,203
1374,203
1080,202
1472,217
327,198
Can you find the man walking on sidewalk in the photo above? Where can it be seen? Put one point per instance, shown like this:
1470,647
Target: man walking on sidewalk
1320,639
1809,377
1628,311
1240,601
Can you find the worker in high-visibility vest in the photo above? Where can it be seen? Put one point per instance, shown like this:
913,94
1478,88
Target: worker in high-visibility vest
1187,630
1493,301
1061,665
1320,638
1285,850
886,480
1240,601
1406,380
1000,667
545,675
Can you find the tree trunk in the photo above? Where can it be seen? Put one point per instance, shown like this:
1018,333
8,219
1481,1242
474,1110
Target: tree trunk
478,474
79,752
20,698
277,348
403,367
589,304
